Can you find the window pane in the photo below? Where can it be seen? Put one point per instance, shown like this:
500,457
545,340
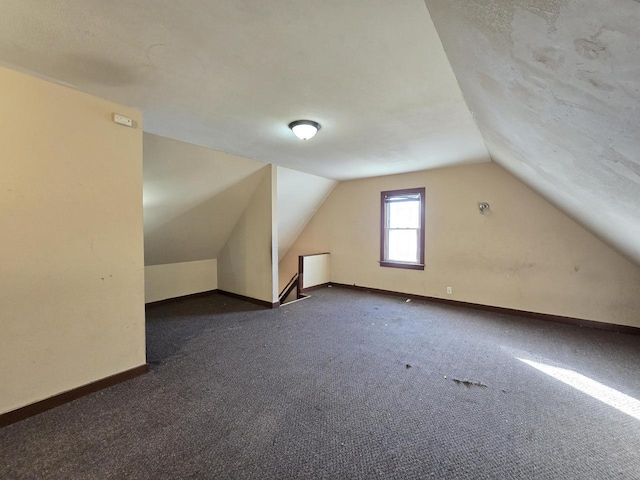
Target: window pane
403,246
404,214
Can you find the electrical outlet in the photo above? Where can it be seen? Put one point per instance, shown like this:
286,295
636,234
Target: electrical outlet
449,290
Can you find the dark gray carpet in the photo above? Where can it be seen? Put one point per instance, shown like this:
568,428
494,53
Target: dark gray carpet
321,389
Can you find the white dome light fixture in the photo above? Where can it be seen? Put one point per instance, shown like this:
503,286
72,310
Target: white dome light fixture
304,129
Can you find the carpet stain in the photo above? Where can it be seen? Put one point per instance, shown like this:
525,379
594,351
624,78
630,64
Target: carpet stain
469,384
407,366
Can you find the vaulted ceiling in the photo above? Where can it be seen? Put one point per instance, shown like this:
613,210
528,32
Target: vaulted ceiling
551,88
555,89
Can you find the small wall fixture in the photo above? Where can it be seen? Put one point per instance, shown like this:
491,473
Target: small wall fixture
484,208
304,129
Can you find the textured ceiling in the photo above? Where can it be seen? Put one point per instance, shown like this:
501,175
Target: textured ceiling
231,75
555,89
554,86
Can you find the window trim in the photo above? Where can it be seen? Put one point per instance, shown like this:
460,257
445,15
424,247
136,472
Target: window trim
383,217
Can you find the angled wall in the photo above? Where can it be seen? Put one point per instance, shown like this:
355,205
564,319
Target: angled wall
248,262
555,90
299,197
71,262
193,198
526,255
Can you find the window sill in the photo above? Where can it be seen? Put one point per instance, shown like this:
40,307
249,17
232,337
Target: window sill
409,266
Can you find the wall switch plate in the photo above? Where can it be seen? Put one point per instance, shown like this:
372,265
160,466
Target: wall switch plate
122,120
449,290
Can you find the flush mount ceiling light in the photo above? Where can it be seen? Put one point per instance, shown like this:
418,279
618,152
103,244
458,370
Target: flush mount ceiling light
304,129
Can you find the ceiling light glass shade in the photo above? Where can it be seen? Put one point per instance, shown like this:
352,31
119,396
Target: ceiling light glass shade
304,129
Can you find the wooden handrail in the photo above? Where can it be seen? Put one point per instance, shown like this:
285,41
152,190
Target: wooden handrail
289,288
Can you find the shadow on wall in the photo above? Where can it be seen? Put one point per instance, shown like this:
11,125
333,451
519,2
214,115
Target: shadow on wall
200,233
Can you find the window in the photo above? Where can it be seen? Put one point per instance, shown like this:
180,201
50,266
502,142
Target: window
402,229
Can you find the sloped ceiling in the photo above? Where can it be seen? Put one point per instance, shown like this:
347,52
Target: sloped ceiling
299,197
193,197
555,89
554,86
231,75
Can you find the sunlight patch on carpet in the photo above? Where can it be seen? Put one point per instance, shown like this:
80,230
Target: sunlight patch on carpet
597,390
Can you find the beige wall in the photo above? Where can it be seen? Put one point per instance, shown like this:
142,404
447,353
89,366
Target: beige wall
248,263
71,262
193,197
526,255
550,90
317,270
179,279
